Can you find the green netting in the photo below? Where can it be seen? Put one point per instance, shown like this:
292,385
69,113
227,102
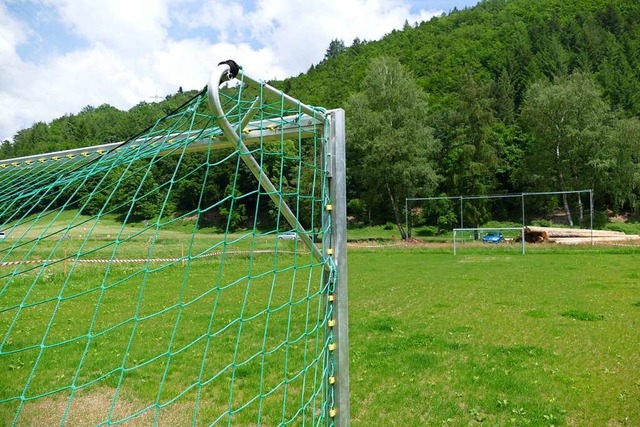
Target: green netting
153,282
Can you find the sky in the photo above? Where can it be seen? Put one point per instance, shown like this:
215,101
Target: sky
58,56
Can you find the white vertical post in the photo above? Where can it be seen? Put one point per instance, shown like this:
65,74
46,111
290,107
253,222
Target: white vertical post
461,218
406,217
591,214
454,241
338,196
523,224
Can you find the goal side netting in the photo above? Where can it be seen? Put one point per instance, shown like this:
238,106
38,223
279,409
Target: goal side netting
186,276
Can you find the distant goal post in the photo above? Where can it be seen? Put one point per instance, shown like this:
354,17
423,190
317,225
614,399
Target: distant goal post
483,230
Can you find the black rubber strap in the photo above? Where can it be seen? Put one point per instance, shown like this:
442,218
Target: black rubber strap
234,68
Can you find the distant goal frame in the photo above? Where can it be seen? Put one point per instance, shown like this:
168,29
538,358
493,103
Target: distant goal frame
522,196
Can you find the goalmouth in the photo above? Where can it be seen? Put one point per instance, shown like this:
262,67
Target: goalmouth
483,230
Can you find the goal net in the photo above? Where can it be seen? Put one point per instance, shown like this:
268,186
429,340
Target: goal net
188,275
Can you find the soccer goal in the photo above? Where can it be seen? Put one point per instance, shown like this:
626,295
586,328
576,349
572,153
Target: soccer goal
489,236
145,281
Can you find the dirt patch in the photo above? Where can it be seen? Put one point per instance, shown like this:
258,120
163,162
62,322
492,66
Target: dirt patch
89,408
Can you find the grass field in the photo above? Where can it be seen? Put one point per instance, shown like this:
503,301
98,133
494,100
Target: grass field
487,337
223,334
550,338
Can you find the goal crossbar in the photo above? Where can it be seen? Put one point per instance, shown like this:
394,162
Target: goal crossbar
255,132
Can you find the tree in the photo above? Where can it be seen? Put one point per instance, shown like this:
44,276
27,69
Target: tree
471,158
336,47
137,196
568,121
357,45
553,59
393,146
622,185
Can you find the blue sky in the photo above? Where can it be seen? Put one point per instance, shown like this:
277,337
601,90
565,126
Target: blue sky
61,55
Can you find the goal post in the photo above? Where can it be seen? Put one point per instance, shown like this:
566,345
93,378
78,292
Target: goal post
154,280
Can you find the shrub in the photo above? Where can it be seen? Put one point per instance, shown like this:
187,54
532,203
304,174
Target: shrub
582,315
541,223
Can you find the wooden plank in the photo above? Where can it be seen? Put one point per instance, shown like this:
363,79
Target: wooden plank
571,232
602,239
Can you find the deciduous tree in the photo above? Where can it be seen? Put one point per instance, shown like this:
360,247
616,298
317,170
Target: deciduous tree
568,120
394,146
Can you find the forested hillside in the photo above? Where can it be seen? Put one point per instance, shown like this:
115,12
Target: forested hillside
509,96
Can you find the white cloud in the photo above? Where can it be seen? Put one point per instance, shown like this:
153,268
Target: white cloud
226,17
130,50
188,63
131,27
12,71
12,32
299,31
315,24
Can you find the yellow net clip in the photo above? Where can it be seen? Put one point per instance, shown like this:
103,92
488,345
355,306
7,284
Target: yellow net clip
331,346
28,162
331,323
329,208
69,156
85,154
272,128
42,160
100,151
332,413
331,298
332,380
3,166
15,164
56,158
329,251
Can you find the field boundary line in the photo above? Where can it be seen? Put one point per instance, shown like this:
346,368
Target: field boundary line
134,260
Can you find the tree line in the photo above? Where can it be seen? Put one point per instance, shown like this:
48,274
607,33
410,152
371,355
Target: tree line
505,97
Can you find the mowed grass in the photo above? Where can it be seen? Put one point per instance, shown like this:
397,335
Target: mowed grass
495,338
487,337
224,338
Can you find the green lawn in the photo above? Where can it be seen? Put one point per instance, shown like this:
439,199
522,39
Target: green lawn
550,338
486,337
228,336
